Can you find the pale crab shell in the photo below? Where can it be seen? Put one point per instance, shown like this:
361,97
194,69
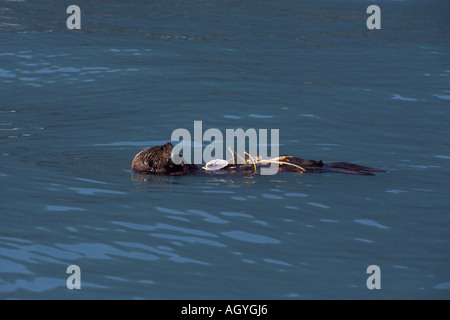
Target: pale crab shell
215,164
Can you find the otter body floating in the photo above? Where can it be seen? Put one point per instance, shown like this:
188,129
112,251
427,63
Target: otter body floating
158,160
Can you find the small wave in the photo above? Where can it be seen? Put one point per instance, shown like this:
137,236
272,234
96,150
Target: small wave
90,180
250,237
229,116
12,267
261,116
171,211
396,191
443,157
443,285
363,240
318,205
218,191
371,223
191,240
296,194
328,220
104,252
236,214
163,226
207,217
272,196
134,226
94,68
43,284
274,261
91,191
442,96
399,97
64,208
172,256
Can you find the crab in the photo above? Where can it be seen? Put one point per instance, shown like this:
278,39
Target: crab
218,164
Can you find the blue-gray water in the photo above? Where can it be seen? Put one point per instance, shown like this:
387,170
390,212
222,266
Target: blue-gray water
76,106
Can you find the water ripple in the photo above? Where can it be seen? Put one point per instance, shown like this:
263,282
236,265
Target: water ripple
396,191
173,256
363,240
164,226
319,205
45,253
329,220
91,191
274,261
90,180
9,266
442,96
443,157
63,208
236,214
296,194
103,251
134,226
218,191
399,97
271,196
229,116
171,211
250,237
261,116
371,223
443,285
187,239
37,285
208,217
42,284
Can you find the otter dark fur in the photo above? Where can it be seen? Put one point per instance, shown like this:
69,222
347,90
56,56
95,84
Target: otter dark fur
157,160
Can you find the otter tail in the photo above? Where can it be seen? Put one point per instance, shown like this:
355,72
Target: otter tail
351,168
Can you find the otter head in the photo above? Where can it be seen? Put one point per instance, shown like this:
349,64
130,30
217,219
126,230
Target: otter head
157,160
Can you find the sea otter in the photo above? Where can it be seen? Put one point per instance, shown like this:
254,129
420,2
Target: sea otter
157,160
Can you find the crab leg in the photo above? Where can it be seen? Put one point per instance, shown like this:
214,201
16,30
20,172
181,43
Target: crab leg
229,148
251,158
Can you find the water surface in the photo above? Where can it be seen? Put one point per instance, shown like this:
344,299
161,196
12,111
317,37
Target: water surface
76,106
